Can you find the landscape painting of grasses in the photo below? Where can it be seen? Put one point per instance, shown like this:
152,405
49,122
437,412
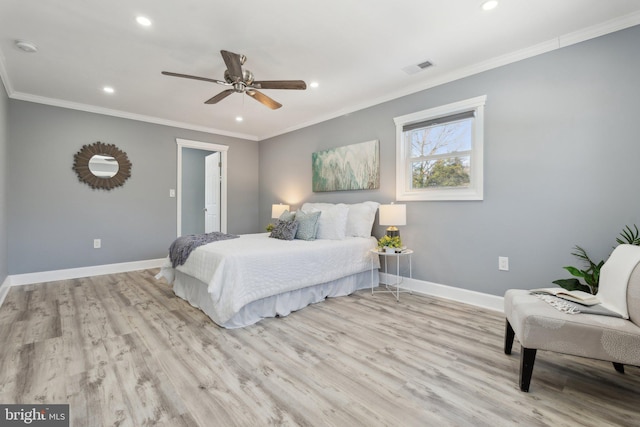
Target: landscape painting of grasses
351,167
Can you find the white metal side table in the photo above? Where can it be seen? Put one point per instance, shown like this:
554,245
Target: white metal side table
394,287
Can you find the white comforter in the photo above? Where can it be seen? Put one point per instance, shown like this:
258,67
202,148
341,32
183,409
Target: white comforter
254,266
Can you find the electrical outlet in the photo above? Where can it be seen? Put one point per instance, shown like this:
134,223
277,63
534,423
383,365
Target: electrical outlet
97,243
503,263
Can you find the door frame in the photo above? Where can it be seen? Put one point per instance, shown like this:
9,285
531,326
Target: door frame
212,184
206,146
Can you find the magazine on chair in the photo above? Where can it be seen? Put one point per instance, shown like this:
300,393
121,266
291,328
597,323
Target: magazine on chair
578,297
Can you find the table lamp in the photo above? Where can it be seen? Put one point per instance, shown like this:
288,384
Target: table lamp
277,210
393,215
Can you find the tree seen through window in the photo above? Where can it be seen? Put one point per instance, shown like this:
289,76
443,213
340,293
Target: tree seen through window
440,154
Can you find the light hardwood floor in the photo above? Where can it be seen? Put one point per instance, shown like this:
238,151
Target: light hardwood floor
122,350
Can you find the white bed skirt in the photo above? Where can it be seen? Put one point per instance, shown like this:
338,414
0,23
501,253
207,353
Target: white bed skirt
195,292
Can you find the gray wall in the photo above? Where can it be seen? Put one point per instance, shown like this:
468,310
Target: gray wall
4,201
53,218
560,169
193,190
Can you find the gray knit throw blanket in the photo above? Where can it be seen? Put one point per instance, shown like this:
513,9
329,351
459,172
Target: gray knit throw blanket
182,247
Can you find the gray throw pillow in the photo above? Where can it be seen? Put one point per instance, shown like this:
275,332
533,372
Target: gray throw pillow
287,216
307,225
284,230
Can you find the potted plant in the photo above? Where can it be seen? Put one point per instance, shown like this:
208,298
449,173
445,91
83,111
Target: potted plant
591,271
389,244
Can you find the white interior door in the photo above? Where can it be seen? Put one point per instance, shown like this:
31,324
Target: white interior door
212,193
207,146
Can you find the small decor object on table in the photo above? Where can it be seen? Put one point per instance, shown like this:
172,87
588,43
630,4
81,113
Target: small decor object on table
390,244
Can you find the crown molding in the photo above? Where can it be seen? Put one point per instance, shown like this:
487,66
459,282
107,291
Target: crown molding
4,76
566,40
602,29
562,41
125,115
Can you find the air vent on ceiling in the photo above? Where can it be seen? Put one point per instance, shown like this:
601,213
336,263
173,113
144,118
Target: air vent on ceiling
413,69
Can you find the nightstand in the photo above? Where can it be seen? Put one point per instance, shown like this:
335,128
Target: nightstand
394,287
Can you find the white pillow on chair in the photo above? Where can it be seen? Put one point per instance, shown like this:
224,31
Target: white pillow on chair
614,277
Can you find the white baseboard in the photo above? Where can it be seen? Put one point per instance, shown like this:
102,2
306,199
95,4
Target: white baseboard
76,273
479,299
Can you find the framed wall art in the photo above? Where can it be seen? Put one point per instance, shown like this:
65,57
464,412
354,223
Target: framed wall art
351,167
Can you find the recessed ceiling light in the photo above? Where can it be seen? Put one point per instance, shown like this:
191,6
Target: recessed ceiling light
239,119
144,21
314,84
489,5
26,46
108,89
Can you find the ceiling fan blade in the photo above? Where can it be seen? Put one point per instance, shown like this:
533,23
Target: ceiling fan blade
280,84
187,76
264,99
219,97
234,64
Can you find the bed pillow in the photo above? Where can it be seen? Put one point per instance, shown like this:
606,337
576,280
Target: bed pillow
307,225
284,230
287,216
360,219
332,223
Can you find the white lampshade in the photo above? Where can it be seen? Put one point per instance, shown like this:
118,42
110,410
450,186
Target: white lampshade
393,215
277,210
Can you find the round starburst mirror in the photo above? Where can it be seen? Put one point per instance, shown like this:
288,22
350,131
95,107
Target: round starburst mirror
102,166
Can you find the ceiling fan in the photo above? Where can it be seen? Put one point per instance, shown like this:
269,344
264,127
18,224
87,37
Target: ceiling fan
242,81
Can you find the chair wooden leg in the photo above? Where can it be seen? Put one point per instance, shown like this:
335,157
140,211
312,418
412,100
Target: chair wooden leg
508,338
619,367
527,359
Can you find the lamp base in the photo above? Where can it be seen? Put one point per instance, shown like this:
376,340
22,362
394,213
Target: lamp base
393,232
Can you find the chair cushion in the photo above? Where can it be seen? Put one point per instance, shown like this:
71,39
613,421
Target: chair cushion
538,325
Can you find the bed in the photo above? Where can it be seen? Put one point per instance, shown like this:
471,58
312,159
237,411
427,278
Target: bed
240,281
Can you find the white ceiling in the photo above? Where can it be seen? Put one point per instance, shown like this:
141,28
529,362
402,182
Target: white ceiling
355,49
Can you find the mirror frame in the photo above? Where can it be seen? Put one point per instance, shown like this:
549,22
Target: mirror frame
81,166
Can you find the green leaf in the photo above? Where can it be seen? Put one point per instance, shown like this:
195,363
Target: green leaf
629,236
574,271
571,285
580,253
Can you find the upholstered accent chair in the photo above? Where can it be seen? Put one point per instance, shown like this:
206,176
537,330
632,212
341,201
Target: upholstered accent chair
539,326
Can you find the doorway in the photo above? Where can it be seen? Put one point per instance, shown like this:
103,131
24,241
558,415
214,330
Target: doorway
202,187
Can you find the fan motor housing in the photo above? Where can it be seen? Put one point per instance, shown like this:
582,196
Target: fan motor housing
247,77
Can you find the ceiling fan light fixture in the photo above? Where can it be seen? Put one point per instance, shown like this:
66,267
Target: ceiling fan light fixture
242,81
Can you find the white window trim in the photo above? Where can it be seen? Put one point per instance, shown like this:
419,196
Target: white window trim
403,171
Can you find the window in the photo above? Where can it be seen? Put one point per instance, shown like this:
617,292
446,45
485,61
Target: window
439,152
